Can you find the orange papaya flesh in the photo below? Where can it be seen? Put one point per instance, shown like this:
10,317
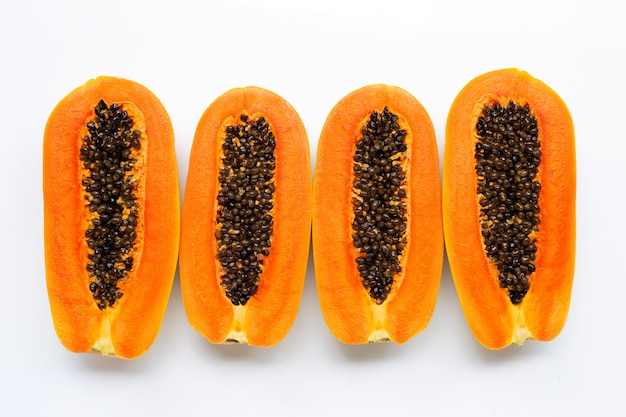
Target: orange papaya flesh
246,219
377,227
509,190
111,217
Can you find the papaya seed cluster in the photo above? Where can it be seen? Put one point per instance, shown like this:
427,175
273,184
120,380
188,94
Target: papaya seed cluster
245,206
379,205
508,155
108,154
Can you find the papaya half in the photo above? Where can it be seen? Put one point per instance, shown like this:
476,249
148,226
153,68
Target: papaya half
509,206
246,222
111,217
377,225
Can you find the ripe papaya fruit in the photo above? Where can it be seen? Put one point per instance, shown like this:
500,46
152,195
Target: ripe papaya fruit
246,221
377,226
111,217
509,204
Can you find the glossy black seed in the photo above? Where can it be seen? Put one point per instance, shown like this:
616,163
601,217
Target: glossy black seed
380,204
245,202
508,154
107,154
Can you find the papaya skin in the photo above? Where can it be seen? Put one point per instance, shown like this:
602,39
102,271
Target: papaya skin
352,316
268,316
494,320
127,329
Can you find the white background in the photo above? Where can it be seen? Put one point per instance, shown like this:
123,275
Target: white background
313,54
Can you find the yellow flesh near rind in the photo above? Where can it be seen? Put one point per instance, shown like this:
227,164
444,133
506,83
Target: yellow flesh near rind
521,333
379,331
104,345
237,333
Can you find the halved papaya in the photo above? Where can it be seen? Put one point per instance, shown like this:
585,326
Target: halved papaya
246,222
377,226
111,217
509,197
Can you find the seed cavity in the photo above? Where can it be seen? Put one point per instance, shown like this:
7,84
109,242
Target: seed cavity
508,154
379,202
245,203
110,153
